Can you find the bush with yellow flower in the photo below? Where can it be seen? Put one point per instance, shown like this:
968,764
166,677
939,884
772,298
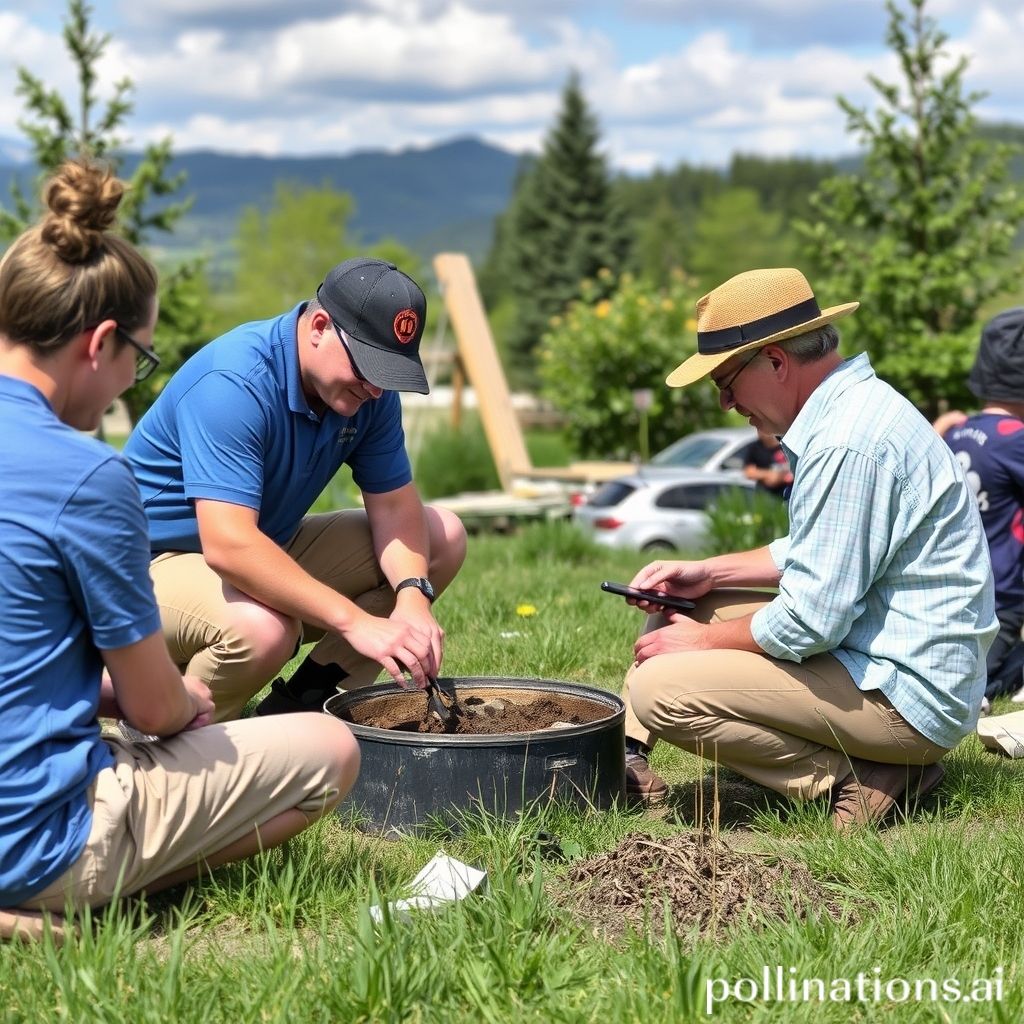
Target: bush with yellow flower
601,350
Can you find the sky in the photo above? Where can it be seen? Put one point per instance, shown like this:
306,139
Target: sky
670,81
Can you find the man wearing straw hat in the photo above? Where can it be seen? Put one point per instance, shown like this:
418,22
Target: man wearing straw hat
868,664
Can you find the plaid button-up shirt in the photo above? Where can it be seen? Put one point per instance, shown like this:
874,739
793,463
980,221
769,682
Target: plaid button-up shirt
886,565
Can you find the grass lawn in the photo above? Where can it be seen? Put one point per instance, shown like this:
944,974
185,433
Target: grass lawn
933,901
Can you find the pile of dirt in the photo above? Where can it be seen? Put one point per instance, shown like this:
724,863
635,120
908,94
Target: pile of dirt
706,885
477,715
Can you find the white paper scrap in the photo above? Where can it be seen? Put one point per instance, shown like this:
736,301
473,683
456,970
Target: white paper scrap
442,881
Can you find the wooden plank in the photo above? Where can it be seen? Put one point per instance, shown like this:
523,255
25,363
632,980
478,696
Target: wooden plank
479,356
582,472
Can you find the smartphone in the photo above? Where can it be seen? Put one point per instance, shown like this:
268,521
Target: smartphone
654,596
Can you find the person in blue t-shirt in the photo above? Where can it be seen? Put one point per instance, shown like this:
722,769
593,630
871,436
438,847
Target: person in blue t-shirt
85,815
231,457
990,447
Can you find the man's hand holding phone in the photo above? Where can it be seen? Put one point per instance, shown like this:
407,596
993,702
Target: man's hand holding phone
653,597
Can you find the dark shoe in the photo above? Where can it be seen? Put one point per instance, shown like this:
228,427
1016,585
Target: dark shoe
282,701
872,790
643,786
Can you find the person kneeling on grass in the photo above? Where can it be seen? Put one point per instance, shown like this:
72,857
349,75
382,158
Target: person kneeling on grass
869,663
230,459
85,817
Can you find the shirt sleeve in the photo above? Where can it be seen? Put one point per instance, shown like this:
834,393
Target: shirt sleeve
779,550
841,530
380,462
101,537
222,429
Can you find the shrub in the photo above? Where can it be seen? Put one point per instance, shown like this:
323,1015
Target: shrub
602,350
744,519
452,460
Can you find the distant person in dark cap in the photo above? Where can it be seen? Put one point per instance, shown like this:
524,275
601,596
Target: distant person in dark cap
867,665
990,447
231,457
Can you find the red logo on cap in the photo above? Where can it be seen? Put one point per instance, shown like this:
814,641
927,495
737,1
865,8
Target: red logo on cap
405,325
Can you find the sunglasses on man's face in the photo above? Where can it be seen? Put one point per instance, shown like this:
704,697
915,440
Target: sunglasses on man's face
146,360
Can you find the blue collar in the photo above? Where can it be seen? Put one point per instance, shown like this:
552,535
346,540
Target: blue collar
16,387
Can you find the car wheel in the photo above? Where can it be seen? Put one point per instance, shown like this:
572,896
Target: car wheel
658,545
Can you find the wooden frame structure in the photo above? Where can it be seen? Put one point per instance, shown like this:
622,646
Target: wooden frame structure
477,359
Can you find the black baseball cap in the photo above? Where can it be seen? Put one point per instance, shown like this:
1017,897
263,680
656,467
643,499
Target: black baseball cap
382,312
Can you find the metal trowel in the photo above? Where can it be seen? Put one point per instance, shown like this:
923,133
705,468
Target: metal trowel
442,704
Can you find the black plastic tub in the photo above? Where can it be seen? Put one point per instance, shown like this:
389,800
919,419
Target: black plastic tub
409,778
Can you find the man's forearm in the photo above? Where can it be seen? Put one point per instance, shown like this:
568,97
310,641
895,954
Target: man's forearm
733,634
744,569
400,537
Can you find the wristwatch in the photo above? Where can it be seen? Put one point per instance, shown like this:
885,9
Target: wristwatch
421,583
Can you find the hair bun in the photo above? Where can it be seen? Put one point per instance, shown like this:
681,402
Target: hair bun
83,198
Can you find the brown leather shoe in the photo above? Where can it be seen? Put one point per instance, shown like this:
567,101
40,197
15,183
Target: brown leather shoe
643,786
872,790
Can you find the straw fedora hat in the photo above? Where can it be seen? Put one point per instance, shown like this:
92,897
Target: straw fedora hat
751,310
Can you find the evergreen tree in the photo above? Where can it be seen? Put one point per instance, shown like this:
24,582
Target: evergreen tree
735,233
56,134
783,184
664,241
563,225
921,235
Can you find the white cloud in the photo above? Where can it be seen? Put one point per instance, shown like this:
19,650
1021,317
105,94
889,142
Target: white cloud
259,76
994,43
41,52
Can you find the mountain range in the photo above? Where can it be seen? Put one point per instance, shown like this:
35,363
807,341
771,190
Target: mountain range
440,197
437,198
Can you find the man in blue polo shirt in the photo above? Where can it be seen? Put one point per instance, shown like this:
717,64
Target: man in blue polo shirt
231,457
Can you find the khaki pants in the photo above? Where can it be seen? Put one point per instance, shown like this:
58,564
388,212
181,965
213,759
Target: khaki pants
167,805
790,727
210,635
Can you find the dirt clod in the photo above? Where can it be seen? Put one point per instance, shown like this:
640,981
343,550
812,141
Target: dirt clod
488,715
706,884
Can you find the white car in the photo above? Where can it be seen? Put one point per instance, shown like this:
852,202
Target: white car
722,448
658,511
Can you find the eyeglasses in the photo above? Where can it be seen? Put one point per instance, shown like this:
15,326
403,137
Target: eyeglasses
146,360
348,352
725,387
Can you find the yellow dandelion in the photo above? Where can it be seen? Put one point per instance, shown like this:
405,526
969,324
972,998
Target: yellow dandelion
691,324
524,611
603,308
